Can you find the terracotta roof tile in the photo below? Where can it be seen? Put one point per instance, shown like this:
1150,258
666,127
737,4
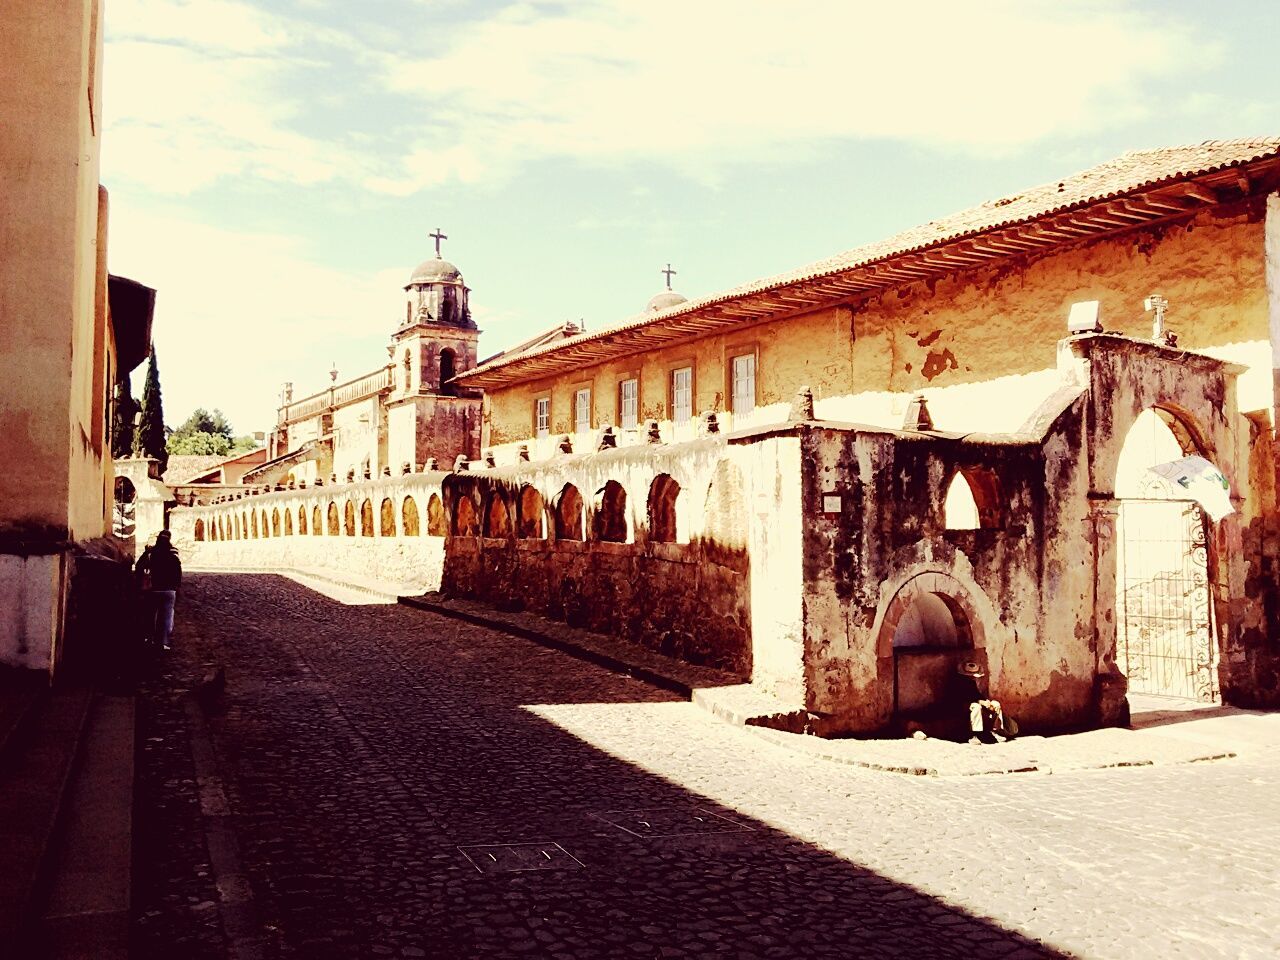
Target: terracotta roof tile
1138,169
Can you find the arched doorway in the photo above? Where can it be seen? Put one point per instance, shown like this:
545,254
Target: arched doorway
930,634
124,509
1164,618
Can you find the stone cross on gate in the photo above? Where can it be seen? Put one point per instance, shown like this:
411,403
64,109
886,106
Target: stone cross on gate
437,237
668,272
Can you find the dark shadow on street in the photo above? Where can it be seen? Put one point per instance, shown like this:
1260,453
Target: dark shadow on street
362,747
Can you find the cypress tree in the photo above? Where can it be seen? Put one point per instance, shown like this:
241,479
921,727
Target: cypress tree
149,441
122,420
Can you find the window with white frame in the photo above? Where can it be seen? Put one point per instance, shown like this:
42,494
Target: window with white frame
542,416
682,395
582,410
629,404
744,384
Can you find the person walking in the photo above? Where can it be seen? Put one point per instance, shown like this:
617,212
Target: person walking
160,572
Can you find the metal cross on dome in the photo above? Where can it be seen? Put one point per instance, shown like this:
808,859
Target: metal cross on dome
668,272
438,236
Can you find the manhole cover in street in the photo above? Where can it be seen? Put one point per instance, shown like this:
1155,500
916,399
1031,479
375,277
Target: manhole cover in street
519,857
671,822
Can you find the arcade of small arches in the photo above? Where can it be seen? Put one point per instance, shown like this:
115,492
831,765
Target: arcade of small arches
499,513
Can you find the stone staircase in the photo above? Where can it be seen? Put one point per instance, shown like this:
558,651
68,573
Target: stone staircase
66,796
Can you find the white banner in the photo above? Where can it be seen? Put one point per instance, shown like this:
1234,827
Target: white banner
1201,481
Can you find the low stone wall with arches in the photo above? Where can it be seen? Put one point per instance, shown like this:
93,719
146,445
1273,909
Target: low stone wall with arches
646,543
390,529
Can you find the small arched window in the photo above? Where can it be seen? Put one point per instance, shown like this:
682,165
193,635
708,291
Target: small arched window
465,522
409,517
199,530
317,527
333,528
302,521
664,497
609,513
288,522
448,362
436,524
349,518
568,514
387,518
497,520
529,523
366,519
974,500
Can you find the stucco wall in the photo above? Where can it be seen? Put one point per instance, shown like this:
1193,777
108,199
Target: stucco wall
975,343
413,561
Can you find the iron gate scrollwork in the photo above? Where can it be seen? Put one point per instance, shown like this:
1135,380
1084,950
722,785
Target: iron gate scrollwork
1166,636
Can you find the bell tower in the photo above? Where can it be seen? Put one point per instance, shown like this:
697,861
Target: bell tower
428,415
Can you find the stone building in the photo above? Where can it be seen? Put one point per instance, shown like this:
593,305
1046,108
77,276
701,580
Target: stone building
399,416
837,482
71,330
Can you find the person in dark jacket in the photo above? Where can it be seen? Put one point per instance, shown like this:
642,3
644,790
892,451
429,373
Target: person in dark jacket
160,573
987,720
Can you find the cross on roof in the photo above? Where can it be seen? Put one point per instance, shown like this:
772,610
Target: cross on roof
438,236
668,272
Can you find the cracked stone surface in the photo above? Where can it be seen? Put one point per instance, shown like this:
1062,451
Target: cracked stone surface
361,746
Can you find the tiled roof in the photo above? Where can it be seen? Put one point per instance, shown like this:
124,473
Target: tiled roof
1139,170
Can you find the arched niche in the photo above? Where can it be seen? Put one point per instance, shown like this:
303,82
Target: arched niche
568,513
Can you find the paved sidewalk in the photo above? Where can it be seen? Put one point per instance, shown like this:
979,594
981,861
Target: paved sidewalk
1160,742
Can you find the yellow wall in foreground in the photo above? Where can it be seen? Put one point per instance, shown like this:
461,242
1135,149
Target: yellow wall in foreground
953,338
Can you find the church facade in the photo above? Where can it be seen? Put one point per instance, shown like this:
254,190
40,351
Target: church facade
399,417
837,482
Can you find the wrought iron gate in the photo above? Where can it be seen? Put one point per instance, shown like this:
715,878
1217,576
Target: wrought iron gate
1165,631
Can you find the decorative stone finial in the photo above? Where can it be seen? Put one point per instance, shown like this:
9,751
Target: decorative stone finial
801,405
406,467
431,464
652,433
566,445
607,439
713,422
489,460
351,475
386,470
522,452
302,484
319,481
917,417
462,464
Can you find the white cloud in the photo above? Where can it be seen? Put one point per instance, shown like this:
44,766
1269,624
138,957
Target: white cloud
725,80
202,90
239,313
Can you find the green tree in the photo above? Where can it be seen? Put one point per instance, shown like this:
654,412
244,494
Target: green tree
149,440
199,443
126,408
202,421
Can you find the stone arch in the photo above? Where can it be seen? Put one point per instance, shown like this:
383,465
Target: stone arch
929,626
275,521
664,500
199,530
974,500
448,362
302,521
266,524
530,511
349,518
366,518
124,508
609,513
288,522
331,518
497,518
317,521
568,514
1166,640
253,514
387,518
465,521
409,517
437,525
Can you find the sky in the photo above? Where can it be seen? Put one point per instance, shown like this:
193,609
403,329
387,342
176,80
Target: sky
276,166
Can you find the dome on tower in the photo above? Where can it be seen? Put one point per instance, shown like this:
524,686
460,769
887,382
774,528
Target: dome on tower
663,300
436,270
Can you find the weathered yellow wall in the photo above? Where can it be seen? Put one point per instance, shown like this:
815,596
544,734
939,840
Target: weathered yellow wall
952,339
49,357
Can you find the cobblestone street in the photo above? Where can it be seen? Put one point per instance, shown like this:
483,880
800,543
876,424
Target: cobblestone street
357,789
